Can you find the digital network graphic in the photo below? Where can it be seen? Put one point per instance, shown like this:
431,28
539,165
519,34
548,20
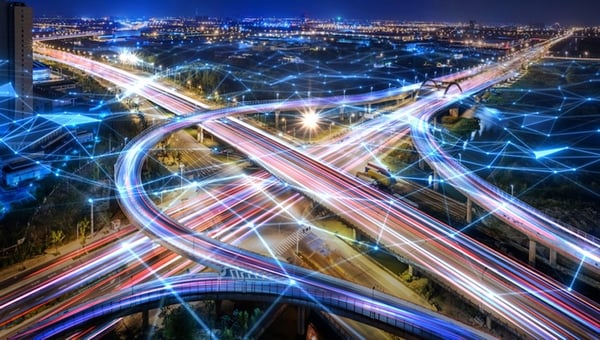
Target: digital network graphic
324,171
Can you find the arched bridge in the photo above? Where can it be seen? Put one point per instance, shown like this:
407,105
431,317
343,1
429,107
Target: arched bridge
438,85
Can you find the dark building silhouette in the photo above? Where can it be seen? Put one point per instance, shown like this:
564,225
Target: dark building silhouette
16,60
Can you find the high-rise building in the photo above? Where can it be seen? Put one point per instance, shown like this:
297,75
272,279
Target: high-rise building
16,59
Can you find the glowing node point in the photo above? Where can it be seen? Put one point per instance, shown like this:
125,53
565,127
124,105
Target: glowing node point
543,153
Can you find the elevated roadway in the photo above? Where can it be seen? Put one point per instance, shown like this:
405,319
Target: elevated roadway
382,311
576,245
532,323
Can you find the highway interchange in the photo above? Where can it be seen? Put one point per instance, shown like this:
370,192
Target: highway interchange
515,295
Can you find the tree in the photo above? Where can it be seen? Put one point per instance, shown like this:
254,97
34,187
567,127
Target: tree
179,324
83,226
57,237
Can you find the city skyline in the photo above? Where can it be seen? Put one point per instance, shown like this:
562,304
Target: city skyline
578,12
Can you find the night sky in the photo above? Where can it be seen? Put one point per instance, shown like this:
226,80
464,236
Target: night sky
585,12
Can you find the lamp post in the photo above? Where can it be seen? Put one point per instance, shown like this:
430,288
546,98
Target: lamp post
91,201
181,166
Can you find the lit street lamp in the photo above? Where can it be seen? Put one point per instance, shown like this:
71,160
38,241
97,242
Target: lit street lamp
91,202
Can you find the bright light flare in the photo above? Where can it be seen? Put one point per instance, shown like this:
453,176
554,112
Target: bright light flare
128,57
310,119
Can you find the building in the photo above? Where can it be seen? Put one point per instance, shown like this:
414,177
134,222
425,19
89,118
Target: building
16,59
41,72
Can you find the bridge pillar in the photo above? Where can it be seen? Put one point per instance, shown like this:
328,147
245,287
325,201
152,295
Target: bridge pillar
277,112
145,321
532,249
342,112
200,134
368,108
411,270
552,258
301,326
421,163
469,210
488,322
436,184
353,233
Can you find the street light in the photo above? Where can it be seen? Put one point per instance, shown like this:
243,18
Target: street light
181,166
310,121
91,202
351,116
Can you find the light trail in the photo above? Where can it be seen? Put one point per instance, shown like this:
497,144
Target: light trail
128,189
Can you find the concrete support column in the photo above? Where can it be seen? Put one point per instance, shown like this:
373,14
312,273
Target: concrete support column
532,246
342,112
488,322
469,210
368,108
301,320
353,234
552,258
145,321
218,307
277,112
411,270
436,184
421,163
200,135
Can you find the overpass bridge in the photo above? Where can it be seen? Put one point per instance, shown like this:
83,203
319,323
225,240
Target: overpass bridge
288,105
67,36
406,320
